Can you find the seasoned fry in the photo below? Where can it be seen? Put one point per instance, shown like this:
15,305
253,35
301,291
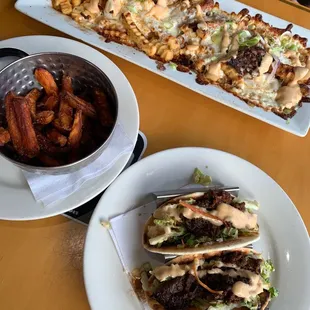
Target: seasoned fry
46,80
56,137
4,136
103,109
76,132
80,104
67,84
49,161
45,117
20,126
65,115
59,127
32,98
51,103
48,147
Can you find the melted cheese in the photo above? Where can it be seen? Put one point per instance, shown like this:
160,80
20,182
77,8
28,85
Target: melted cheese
225,40
239,219
293,57
113,8
92,6
160,10
308,66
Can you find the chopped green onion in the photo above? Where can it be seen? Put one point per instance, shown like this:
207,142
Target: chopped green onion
132,9
251,42
168,25
173,66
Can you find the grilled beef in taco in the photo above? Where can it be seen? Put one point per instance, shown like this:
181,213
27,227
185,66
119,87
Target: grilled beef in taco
226,280
201,222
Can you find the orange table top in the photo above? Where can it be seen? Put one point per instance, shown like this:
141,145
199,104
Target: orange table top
41,261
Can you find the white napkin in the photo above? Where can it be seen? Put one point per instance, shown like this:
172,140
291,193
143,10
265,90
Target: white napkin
51,188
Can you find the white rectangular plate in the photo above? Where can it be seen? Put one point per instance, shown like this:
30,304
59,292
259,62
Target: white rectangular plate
42,11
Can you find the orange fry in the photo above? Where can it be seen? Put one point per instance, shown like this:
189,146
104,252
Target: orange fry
32,98
49,161
59,127
4,136
46,80
76,132
65,115
80,104
56,137
44,117
103,109
67,84
51,102
20,126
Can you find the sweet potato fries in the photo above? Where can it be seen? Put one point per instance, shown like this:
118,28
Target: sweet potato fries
46,127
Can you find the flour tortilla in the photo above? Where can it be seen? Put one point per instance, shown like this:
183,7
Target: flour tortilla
240,242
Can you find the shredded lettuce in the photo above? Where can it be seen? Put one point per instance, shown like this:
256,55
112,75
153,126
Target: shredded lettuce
252,303
166,222
273,292
250,205
200,178
229,233
266,269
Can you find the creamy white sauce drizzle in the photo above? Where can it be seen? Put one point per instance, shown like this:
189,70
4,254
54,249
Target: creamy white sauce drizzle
239,219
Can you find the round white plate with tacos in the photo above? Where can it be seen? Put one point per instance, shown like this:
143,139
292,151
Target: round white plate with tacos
283,237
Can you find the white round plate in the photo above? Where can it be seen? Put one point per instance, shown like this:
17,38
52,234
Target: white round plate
284,237
17,201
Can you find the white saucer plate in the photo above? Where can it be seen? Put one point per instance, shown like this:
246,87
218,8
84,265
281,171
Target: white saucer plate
17,201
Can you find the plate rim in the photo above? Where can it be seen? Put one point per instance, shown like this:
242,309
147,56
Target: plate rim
124,158
96,215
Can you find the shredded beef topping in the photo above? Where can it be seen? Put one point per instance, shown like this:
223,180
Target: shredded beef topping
248,60
177,294
212,199
201,227
241,260
239,205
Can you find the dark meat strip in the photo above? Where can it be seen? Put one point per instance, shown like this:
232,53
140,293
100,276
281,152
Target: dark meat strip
201,227
212,199
177,293
248,60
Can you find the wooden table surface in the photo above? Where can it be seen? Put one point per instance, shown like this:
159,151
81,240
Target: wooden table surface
41,261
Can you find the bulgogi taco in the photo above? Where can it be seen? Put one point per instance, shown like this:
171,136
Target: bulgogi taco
226,280
201,222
